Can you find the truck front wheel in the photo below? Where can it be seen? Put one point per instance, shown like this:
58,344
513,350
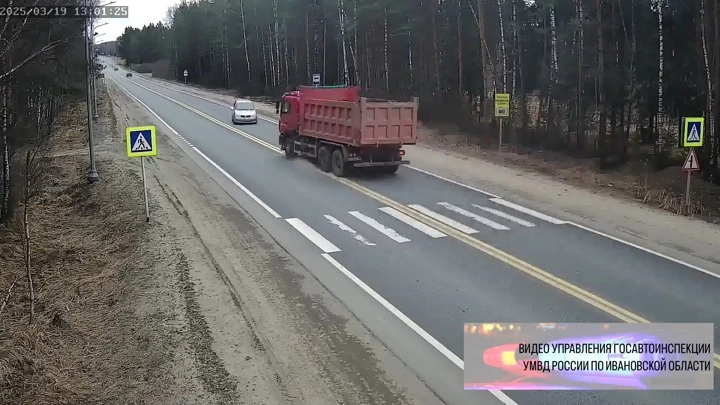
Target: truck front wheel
324,158
290,147
338,163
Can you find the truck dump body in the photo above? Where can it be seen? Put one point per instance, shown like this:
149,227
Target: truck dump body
339,115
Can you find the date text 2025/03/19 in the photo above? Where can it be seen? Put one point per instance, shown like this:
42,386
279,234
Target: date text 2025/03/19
65,12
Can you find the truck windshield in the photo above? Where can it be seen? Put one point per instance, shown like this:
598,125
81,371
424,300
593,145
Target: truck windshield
244,105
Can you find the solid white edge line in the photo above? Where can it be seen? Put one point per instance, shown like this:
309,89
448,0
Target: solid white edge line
646,250
442,218
312,235
498,198
411,324
528,211
426,229
226,174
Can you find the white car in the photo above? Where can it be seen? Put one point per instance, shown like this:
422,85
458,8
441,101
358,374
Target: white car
244,112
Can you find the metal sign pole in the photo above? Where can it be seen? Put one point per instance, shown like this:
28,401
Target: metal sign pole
500,137
147,205
687,189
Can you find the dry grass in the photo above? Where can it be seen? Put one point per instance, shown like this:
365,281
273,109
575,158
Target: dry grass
85,248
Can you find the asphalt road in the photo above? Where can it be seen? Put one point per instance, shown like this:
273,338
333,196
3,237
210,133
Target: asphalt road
461,266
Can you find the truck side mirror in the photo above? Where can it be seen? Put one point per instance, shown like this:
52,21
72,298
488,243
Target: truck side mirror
277,107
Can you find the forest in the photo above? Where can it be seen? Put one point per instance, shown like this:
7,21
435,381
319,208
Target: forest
602,79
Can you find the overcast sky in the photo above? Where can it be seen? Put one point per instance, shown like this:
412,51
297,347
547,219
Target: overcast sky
141,12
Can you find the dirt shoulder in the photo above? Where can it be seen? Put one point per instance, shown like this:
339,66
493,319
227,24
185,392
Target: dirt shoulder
198,306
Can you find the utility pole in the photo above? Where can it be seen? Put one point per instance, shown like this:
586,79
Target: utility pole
92,67
92,176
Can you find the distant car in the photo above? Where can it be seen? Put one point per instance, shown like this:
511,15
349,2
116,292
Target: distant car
115,69
128,75
244,112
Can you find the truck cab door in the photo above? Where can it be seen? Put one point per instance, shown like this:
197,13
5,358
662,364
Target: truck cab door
288,115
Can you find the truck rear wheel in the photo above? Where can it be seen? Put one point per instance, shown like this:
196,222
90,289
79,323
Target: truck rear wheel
290,148
325,158
338,163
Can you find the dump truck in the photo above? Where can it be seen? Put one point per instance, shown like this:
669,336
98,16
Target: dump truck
342,131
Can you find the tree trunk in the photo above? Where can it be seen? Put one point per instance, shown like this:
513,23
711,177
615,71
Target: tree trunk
26,239
633,51
660,139
581,141
343,39
410,54
245,42
487,62
354,48
278,69
521,77
709,96
554,72
502,45
386,63
602,141
5,203
461,86
716,137
435,49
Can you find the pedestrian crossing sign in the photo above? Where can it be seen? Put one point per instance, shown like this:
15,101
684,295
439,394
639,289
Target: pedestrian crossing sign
693,132
141,141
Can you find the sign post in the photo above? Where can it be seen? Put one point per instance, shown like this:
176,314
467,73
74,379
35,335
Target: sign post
185,75
692,137
141,142
316,79
502,110
691,165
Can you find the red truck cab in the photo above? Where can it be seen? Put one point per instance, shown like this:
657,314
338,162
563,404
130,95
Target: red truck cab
343,130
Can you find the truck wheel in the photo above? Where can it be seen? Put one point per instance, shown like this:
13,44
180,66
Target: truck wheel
338,163
389,169
324,158
290,148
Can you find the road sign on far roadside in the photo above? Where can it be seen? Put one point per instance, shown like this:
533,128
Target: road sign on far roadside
691,163
316,79
693,128
185,73
141,141
502,105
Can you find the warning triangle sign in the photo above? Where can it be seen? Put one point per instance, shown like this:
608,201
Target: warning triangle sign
141,144
691,163
694,134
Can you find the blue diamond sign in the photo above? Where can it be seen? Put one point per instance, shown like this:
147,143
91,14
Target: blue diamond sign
141,141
